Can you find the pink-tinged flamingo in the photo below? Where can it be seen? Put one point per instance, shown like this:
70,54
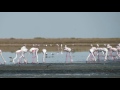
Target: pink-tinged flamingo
68,51
110,48
20,52
103,50
2,57
118,48
34,52
44,54
92,52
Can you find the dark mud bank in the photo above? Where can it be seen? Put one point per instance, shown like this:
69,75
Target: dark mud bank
64,69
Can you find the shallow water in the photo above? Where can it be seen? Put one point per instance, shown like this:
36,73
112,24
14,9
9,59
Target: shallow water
77,57
56,58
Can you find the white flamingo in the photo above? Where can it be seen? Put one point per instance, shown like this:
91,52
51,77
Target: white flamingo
92,52
110,48
2,57
20,52
25,50
68,50
58,48
118,48
103,50
44,54
34,50
119,44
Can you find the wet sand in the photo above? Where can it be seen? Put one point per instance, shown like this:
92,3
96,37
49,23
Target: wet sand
61,70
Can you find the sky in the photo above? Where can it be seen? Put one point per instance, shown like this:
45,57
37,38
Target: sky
60,24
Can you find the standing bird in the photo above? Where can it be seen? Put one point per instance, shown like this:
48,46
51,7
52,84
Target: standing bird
20,52
119,44
68,50
58,48
2,56
92,52
103,50
34,50
44,54
118,48
24,50
110,48
61,49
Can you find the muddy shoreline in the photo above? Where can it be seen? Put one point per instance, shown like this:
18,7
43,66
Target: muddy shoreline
61,70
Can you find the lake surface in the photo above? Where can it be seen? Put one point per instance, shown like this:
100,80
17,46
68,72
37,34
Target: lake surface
78,57
55,58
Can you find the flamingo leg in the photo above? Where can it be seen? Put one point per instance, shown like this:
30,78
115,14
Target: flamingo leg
112,55
19,59
43,57
36,56
93,56
66,57
70,57
106,55
88,57
33,60
98,55
3,58
25,61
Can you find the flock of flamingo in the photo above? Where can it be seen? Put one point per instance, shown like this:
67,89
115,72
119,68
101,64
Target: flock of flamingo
34,51
94,52
107,51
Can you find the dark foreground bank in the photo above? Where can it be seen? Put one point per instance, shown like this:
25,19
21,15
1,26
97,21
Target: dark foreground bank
61,70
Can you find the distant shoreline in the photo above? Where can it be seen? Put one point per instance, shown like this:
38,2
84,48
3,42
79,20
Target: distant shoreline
58,40
78,44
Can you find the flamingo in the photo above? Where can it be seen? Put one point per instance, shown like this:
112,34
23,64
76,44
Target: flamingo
20,52
44,54
68,50
119,44
25,50
113,50
34,50
118,48
2,57
92,51
58,47
103,50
